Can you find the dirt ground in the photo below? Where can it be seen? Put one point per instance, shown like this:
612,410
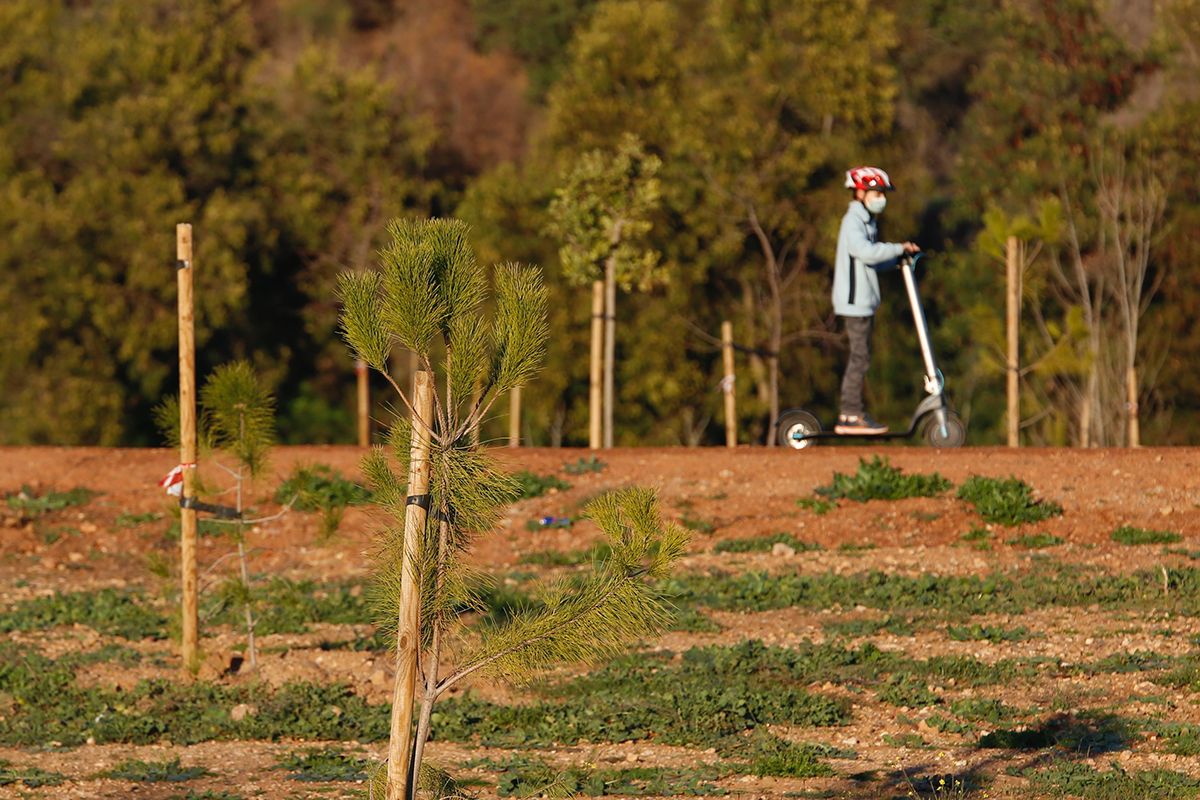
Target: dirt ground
742,493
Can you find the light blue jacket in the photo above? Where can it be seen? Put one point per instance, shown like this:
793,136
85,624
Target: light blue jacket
859,256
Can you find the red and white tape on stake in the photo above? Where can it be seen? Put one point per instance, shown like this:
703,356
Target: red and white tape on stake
173,482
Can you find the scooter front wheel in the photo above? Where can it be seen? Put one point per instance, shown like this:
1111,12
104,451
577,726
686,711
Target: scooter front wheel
954,435
794,426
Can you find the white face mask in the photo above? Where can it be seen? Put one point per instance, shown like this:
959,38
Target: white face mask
876,205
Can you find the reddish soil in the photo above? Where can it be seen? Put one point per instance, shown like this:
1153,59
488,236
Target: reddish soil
739,493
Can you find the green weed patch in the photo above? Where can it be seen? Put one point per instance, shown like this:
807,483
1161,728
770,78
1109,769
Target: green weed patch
324,764
855,628
1035,541
950,595
987,633
30,505
532,485
31,777
48,706
1129,535
1083,781
323,489
879,480
523,776
108,611
584,466
764,544
567,558
1006,501
155,771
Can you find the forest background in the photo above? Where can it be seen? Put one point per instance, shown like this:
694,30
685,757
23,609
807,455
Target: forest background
289,131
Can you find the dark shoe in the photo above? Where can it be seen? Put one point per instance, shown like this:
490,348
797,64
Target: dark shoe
859,424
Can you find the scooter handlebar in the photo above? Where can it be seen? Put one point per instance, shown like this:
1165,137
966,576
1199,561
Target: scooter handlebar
911,259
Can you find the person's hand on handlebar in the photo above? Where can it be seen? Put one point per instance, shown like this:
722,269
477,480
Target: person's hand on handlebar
910,248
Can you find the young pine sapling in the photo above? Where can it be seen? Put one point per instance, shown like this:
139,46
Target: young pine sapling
428,296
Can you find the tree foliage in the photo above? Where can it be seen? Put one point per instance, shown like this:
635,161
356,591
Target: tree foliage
284,129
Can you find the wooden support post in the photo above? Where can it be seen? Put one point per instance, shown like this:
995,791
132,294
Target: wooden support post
610,347
408,632
185,269
1134,435
1013,270
727,384
514,417
364,404
595,394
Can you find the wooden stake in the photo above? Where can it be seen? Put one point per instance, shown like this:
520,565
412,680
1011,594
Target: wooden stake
1131,405
514,417
727,384
185,269
1013,270
610,346
595,396
408,632
364,404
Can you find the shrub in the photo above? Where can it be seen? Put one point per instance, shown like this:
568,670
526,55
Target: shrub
878,480
1006,502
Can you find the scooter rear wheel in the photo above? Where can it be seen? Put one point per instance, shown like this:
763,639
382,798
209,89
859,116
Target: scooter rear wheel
798,423
954,436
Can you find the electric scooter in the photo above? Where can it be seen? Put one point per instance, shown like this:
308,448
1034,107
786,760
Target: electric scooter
934,419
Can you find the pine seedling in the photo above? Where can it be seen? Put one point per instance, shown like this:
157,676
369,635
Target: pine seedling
238,415
428,296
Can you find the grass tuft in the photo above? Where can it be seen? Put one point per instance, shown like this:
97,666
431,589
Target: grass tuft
1129,535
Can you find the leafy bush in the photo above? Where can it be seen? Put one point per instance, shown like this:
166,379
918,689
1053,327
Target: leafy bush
584,466
1084,781
30,505
321,488
1006,501
155,771
523,776
1035,541
108,611
763,754
987,633
327,764
1127,534
567,558
878,480
763,544
907,690
531,485
32,777
817,505
128,519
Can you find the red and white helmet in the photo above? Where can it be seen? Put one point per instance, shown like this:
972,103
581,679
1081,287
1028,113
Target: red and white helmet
869,178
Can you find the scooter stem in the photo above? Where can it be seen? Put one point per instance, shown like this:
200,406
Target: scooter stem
932,384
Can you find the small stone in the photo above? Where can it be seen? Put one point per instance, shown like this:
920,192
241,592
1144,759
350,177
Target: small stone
91,740
850,740
75,557
88,527
241,711
1166,510
378,678
781,550
1089,641
632,758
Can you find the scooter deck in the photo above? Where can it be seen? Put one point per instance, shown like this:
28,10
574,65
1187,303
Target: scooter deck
908,434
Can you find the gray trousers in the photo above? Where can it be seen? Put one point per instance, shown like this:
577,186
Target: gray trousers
859,330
